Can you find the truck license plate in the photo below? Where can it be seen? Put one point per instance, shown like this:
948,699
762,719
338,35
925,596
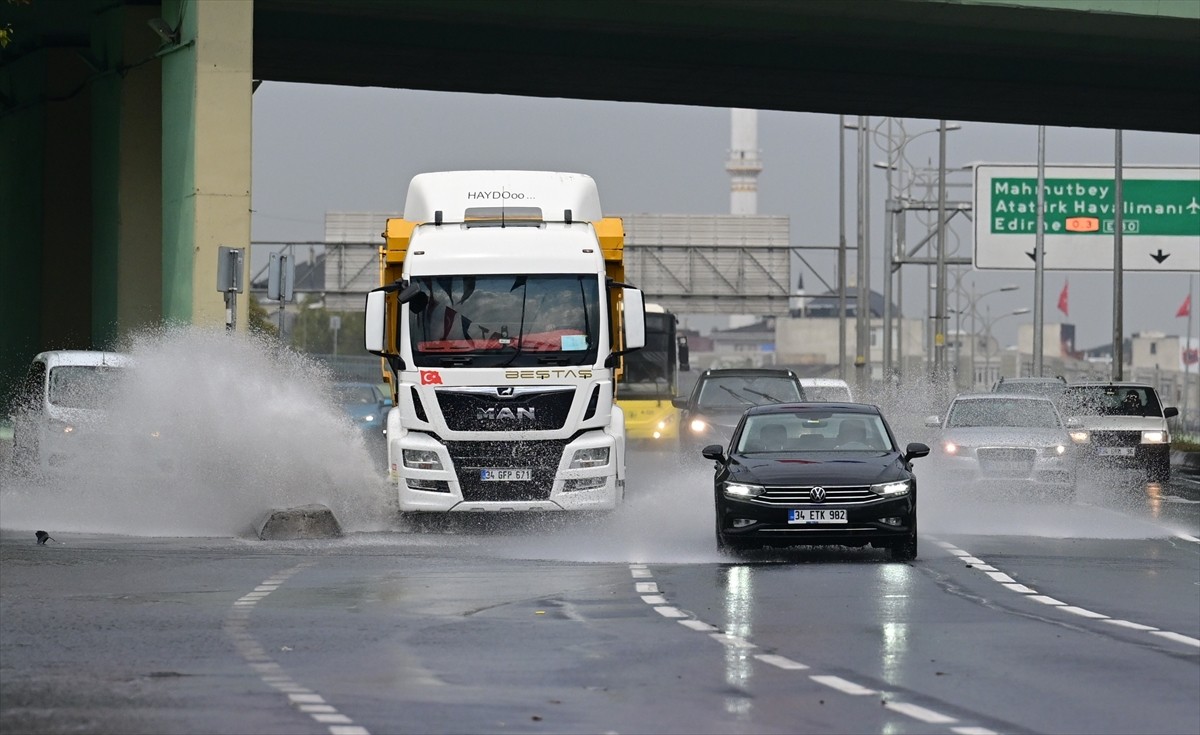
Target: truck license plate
816,515
493,475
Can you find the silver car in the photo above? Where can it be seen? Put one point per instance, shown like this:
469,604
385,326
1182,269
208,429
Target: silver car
1006,442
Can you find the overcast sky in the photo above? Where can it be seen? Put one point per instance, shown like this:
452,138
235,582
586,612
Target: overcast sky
324,148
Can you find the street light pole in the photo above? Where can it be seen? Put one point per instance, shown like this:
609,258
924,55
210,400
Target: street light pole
841,256
988,323
863,302
939,340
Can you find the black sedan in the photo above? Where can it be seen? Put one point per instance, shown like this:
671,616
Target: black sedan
816,473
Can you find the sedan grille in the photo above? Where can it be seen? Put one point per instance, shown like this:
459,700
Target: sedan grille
1006,461
802,494
1117,438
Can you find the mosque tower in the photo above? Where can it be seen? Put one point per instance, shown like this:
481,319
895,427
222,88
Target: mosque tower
743,163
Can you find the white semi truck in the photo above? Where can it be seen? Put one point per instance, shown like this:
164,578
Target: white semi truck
502,320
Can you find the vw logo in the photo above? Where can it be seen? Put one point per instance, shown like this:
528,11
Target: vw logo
817,494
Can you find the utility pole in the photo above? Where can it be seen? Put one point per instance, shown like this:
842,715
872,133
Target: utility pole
1118,368
1039,254
863,302
939,339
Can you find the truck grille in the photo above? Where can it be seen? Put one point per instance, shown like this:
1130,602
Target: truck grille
542,457
489,409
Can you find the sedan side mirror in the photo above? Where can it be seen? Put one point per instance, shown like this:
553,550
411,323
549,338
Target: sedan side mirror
715,452
679,402
933,422
914,450
1170,412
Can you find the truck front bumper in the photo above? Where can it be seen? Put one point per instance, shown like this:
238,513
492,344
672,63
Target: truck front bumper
543,478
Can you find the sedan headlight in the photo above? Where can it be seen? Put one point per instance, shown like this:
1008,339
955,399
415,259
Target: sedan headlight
588,458
1155,437
698,426
368,418
1080,436
1058,449
422,459
890,489
951,448
743,490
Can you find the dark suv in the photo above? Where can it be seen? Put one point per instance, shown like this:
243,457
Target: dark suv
1126,425
720,397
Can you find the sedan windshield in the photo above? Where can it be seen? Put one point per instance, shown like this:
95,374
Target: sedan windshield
517,320
736,392
1001,412
1109,400
814,432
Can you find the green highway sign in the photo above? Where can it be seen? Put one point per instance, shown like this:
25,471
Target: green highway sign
1160,210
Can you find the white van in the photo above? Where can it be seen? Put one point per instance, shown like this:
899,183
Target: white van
61,407
826,390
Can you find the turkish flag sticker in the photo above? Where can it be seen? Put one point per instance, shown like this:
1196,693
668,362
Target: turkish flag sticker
431,377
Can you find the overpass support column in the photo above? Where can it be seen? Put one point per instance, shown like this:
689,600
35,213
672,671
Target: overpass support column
206,120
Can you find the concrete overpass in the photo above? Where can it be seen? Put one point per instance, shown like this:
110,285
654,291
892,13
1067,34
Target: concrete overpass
125,125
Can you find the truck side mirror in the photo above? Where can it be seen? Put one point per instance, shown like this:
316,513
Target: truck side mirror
634,307
374,337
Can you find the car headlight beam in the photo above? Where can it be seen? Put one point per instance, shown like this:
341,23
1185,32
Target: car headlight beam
698,426
743,490
891,489
1155,437
1080,436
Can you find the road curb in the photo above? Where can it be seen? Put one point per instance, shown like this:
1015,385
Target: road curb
304,522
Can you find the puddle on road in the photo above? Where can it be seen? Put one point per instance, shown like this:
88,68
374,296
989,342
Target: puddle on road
242,427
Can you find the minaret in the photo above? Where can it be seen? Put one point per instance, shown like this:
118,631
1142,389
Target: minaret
743,164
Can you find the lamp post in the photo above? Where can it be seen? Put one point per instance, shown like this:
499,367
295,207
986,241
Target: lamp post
988,323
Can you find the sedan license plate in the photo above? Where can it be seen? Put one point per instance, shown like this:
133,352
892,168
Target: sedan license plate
510,475
1116,451
816,515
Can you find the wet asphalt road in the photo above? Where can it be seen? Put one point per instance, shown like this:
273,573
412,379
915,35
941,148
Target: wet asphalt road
1017,617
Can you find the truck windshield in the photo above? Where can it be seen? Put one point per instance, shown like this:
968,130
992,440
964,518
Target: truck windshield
518,320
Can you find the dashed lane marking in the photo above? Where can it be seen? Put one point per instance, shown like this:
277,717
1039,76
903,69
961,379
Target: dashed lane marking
236,626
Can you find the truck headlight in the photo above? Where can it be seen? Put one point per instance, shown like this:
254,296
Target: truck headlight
743,490
1155,437
889,489
422,459
588,458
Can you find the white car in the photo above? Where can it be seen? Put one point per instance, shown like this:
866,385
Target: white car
1006,442
829,390
61,413
1126,423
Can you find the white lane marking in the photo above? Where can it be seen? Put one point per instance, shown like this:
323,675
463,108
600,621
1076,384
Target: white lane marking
1012,584
1045,600
959,552
641,573
670,612
732,641
646,588
310,708
920,713
970,560
654,599
236,626
944,544
1178,637
843,686
973,730
782,662
1128,624
699,625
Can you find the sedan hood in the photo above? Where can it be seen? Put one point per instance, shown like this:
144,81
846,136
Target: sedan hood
820,468
1006,436
1123,423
